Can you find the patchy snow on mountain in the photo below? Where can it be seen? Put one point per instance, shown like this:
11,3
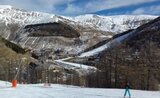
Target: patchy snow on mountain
153,26
113,42
117,23
11,15
92,28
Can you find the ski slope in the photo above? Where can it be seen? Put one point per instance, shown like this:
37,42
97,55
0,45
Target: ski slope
93,52
76,65
113,42
64,91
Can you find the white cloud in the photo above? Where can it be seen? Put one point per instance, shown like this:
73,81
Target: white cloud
39,5
97,5
72,8
138,11
108,4
147,10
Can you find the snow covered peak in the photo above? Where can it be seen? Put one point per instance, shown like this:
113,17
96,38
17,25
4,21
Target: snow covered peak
94,16
117,23
9,14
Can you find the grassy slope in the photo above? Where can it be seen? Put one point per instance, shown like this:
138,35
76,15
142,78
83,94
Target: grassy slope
10,52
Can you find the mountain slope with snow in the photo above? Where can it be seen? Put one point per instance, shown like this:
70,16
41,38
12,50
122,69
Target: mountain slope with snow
152,26
113,42
92,28
10,15
117,24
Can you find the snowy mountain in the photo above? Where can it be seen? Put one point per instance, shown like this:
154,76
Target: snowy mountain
115,24
130,56
10,15
92,28
152,27
51,37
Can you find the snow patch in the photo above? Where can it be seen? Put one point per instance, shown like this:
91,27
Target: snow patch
69,64
113,42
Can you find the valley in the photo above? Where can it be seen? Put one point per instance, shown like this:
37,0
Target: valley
87,50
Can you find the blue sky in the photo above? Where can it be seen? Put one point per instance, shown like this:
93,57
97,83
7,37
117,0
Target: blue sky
79,7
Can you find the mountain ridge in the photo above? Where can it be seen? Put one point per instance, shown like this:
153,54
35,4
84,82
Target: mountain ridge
92,28
12,14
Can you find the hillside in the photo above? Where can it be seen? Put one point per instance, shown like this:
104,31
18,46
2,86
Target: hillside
11,57
106,41
79,33
131,56
14,47
134,59
51,29
119,38
116,24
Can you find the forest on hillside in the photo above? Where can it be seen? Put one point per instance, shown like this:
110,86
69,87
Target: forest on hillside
136,61
13,60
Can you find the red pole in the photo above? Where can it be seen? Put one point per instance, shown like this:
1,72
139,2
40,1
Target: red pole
14,83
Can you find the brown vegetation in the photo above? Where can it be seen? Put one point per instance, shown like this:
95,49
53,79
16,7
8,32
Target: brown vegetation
12,63
51,29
